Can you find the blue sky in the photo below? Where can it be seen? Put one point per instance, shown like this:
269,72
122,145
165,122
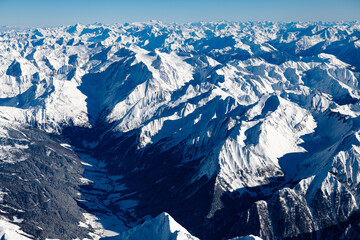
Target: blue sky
66,12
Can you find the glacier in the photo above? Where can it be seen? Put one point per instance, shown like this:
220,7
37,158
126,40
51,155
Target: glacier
237,130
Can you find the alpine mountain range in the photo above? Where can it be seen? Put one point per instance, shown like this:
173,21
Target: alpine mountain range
209,130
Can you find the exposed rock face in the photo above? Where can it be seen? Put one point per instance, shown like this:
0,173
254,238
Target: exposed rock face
14,69
40,183
234,129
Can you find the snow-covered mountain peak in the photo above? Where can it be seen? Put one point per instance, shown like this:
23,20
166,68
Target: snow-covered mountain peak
162,227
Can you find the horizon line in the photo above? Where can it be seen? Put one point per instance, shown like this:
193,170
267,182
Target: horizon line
182,23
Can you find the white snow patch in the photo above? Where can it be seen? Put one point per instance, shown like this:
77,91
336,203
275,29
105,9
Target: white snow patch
10,231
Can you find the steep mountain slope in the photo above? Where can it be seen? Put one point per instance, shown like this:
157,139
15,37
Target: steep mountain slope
231,128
